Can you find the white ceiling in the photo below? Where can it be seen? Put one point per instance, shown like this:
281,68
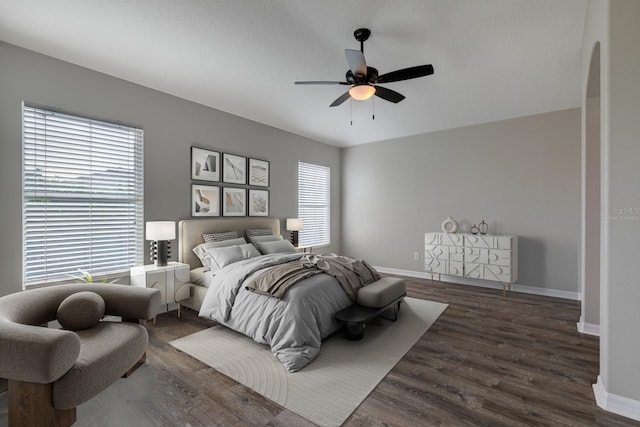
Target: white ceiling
493,59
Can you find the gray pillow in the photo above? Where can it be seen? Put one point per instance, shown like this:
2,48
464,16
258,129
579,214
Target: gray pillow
225,256
258,232
219,237
274,247
201,251
259,239
81,310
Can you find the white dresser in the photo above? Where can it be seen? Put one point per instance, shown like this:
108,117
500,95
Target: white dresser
474,256
169,279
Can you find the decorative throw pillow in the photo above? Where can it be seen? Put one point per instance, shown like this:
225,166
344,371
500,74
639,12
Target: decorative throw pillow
219,237
81,310
277,246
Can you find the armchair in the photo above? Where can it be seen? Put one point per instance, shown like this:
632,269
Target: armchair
51,371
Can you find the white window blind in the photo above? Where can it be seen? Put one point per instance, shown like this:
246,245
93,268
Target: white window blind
82,196
314,204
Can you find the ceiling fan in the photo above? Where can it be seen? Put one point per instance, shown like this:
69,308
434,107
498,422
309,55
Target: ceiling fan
364,80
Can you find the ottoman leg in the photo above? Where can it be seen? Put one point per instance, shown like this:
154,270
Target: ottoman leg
354,331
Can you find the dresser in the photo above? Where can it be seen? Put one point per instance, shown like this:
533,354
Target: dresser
473,256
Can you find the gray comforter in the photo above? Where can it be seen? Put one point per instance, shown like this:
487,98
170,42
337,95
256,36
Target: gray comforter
293,326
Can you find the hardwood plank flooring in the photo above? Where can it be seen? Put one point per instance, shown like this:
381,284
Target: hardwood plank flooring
488,360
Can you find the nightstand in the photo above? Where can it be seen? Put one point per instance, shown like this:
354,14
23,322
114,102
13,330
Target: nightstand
167,278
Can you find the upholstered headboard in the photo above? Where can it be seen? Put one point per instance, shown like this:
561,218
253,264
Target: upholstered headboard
190,233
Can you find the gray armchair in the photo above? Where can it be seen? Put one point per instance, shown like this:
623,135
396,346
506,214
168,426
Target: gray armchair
51,371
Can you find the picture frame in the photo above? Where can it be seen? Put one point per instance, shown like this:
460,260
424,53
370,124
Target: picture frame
258,202
234,201
205,164
259,172
234,169
205,200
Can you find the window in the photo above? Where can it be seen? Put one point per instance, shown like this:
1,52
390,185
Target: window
314,204
82,182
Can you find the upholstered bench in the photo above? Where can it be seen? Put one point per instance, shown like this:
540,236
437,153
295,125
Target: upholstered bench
380,298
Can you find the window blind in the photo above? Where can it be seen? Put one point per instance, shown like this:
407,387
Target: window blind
314,204
82,196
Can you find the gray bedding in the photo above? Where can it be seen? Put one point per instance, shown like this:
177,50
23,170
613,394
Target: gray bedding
293,326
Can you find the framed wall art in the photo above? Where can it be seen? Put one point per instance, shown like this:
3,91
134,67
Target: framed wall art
234,201
205,164
234,169
258,172
205,200
258,202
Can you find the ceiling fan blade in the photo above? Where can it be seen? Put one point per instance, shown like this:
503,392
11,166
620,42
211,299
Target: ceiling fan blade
340,99
320,82
388,94
406,74
356,62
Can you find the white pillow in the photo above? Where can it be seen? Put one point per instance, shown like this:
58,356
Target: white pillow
205,259
225,256
278,246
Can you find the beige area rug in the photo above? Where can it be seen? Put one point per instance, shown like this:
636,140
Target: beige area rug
331,387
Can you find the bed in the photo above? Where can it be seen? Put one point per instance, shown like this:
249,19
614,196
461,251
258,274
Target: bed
293,325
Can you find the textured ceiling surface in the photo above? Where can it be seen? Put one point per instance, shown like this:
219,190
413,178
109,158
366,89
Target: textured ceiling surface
493,59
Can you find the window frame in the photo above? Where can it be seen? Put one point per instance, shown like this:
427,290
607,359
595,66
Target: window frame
64,205
315,213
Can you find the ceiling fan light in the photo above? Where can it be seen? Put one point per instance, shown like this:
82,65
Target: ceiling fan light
362,92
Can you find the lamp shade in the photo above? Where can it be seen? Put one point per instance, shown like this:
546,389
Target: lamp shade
362,92
161,230
294,224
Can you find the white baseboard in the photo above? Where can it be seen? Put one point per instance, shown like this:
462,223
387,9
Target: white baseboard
484,283
620,405
588,328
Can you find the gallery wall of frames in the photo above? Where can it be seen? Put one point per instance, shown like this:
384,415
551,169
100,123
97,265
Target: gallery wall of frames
228,184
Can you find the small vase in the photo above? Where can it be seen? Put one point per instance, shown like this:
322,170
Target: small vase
449,225
474,229
483,227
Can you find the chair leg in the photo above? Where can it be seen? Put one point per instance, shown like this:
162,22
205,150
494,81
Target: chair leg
31,404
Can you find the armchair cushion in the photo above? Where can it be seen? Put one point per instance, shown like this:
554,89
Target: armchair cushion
81,310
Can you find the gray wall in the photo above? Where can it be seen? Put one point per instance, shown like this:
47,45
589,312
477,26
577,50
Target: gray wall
522,176
171,126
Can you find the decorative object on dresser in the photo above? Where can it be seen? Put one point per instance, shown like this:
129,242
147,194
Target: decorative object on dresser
205,164
258,172
258,202
169,279
485,257
483,227
234,201
234,169
474,229
449,225
160,233
205,200
294,225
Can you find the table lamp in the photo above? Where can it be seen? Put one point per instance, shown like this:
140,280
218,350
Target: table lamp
294,225
160,232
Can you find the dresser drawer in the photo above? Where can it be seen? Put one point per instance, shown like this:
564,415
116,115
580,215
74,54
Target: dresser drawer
436,252
473,271
455,268
435,266
499,257
497,273
476,255
479,241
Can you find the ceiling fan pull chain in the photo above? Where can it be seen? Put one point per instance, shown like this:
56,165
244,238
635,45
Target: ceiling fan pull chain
373,108
351,105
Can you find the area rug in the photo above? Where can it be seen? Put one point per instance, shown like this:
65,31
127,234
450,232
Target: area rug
331,387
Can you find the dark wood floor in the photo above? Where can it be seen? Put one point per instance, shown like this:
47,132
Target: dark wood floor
488,360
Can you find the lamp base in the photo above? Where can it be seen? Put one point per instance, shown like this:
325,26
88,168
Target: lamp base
160,251
294,238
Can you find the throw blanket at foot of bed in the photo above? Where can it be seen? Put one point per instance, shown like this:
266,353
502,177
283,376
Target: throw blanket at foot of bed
352,274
